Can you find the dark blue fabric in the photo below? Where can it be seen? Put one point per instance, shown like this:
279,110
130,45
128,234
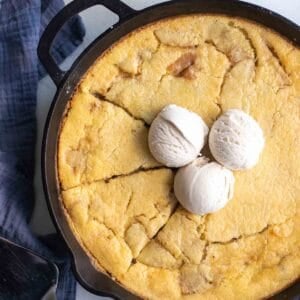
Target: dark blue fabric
21,24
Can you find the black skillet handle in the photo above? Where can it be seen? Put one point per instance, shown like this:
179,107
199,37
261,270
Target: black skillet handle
72,9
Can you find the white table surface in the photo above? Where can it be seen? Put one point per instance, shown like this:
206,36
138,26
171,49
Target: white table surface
97,20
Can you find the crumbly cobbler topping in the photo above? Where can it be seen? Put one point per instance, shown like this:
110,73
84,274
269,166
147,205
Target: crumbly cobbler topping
119,200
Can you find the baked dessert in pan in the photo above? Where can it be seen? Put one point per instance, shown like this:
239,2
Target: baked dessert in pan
119,201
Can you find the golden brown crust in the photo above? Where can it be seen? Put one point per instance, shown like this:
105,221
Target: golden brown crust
119,201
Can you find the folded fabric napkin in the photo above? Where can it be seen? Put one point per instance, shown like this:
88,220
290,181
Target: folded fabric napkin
21,24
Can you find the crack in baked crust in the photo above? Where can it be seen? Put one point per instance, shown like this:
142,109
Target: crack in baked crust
217,102
287,82
103,98
247,37
230,66
162,227
108,179
136,171
233,240
212,43
276,56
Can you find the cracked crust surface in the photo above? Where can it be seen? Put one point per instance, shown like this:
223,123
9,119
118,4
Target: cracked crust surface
119,200
85,152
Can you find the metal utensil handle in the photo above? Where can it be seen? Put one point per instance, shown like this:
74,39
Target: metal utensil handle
72,9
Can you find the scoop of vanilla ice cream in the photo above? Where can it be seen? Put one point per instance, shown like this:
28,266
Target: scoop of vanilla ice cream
203,187
176,136
236,140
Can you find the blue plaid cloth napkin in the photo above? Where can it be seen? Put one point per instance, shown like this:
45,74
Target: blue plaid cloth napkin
21,24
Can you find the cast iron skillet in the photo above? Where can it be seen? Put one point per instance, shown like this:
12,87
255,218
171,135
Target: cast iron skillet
66,82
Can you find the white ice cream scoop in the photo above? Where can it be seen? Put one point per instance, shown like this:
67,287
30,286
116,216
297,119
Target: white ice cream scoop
176,136
203,187
236,140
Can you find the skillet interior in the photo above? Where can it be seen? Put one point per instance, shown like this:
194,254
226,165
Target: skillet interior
84,269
